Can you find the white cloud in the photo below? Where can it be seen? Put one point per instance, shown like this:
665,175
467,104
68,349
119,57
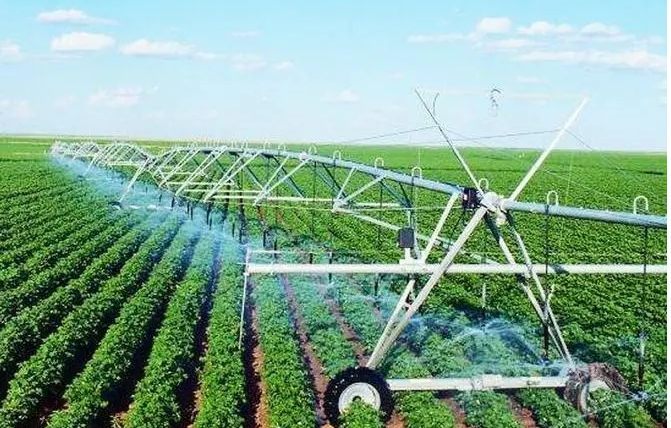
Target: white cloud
78,41
493,25
206,56
598,32
10,51
486,26
634,59
248,62
662,84
70,16
344,97
396,75
544,28
120,97
245,34
284,66
164,49
15,109
597,28
437,38
529,80
144,47
654,40
508,44
65,102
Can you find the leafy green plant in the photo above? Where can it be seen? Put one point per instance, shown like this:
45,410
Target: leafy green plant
23,333
360,415
64,351
172,358
613,410
326,336
92,391
289,397
487,409
549,410
223,374
14,300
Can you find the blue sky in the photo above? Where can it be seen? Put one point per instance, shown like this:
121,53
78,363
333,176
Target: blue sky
334,71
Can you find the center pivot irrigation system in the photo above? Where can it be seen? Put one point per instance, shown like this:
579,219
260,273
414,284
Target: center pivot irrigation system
219,173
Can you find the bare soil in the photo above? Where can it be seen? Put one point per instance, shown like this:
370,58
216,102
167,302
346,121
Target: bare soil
316,370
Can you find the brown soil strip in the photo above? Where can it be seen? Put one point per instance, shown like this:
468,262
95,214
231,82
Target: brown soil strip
396,421
457,411
350,335
256,411
525,416
316,375
46,410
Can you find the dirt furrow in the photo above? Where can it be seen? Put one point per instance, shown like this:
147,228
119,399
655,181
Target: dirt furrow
256,409
525,416
316,371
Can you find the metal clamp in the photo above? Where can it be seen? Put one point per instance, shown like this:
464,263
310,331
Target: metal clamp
415,170
336,155
552,193
646,204
483,183
312,150
379,162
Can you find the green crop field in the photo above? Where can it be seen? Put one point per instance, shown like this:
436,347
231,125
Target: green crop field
131,317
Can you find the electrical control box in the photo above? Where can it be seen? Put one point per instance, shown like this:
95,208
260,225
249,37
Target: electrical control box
406,237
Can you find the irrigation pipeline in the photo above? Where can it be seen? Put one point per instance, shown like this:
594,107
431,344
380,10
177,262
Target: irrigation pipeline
125,154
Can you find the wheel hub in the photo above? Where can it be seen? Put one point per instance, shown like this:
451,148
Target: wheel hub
359,391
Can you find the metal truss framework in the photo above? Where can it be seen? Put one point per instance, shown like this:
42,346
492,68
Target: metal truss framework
216,173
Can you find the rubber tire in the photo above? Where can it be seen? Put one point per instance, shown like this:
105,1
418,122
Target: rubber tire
352,375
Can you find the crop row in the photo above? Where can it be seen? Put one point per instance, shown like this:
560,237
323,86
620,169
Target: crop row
61,355
107,372
52,231
28,293
290,400
550,412
30,198
487,409
172,358
48,255
23,333
326,336
22,182
26,178
30,226
23,217
222,380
